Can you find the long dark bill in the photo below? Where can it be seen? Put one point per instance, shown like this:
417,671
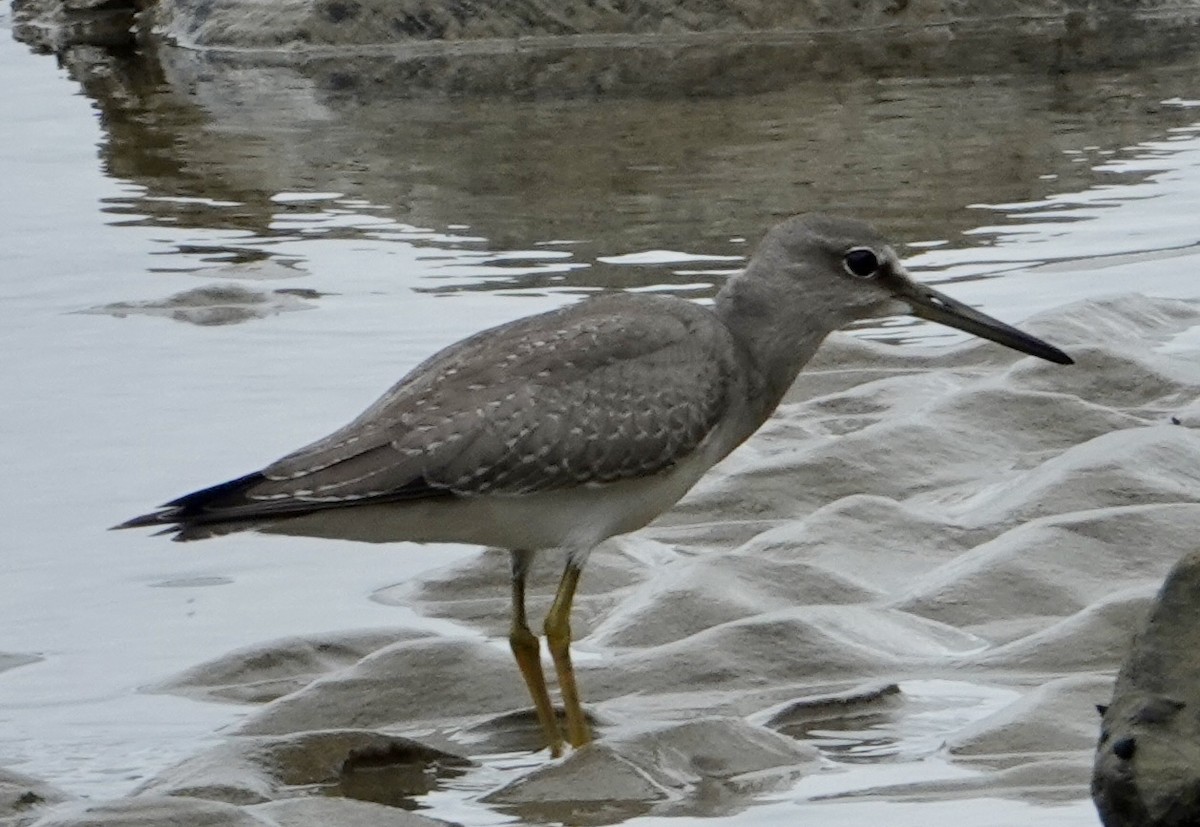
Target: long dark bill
928,303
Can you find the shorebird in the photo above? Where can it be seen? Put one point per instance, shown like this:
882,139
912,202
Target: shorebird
560,430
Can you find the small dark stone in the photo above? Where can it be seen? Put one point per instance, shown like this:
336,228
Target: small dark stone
1124,748
28,799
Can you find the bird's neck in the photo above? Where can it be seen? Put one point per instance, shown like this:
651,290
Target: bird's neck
778,332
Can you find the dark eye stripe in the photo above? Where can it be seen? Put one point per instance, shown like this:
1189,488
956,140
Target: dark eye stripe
861,262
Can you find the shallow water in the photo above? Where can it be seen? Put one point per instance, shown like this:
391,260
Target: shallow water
402,226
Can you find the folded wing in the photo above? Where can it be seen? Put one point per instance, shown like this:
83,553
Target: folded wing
611,388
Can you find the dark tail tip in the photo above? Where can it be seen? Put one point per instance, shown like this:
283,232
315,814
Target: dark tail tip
187,517
167,516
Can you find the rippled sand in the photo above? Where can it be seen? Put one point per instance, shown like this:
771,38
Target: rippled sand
932,559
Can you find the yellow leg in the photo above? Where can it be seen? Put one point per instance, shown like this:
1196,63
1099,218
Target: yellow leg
525,649
558,640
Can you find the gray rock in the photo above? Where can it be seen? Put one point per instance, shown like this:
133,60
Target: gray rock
1147,766
308,23
55,25
350,763
658,48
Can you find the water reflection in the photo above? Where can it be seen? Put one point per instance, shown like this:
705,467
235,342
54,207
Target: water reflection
211,148
215,305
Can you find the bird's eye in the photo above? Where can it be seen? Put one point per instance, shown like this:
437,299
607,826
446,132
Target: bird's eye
861,262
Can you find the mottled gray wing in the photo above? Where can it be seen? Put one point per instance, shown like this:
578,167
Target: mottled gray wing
611,388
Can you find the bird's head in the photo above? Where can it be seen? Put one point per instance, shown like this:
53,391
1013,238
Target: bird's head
847,271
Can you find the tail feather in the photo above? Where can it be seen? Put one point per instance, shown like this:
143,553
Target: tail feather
230,506
204,513
164,516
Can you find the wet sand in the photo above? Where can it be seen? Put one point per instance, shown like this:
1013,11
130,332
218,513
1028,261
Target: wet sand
918,531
